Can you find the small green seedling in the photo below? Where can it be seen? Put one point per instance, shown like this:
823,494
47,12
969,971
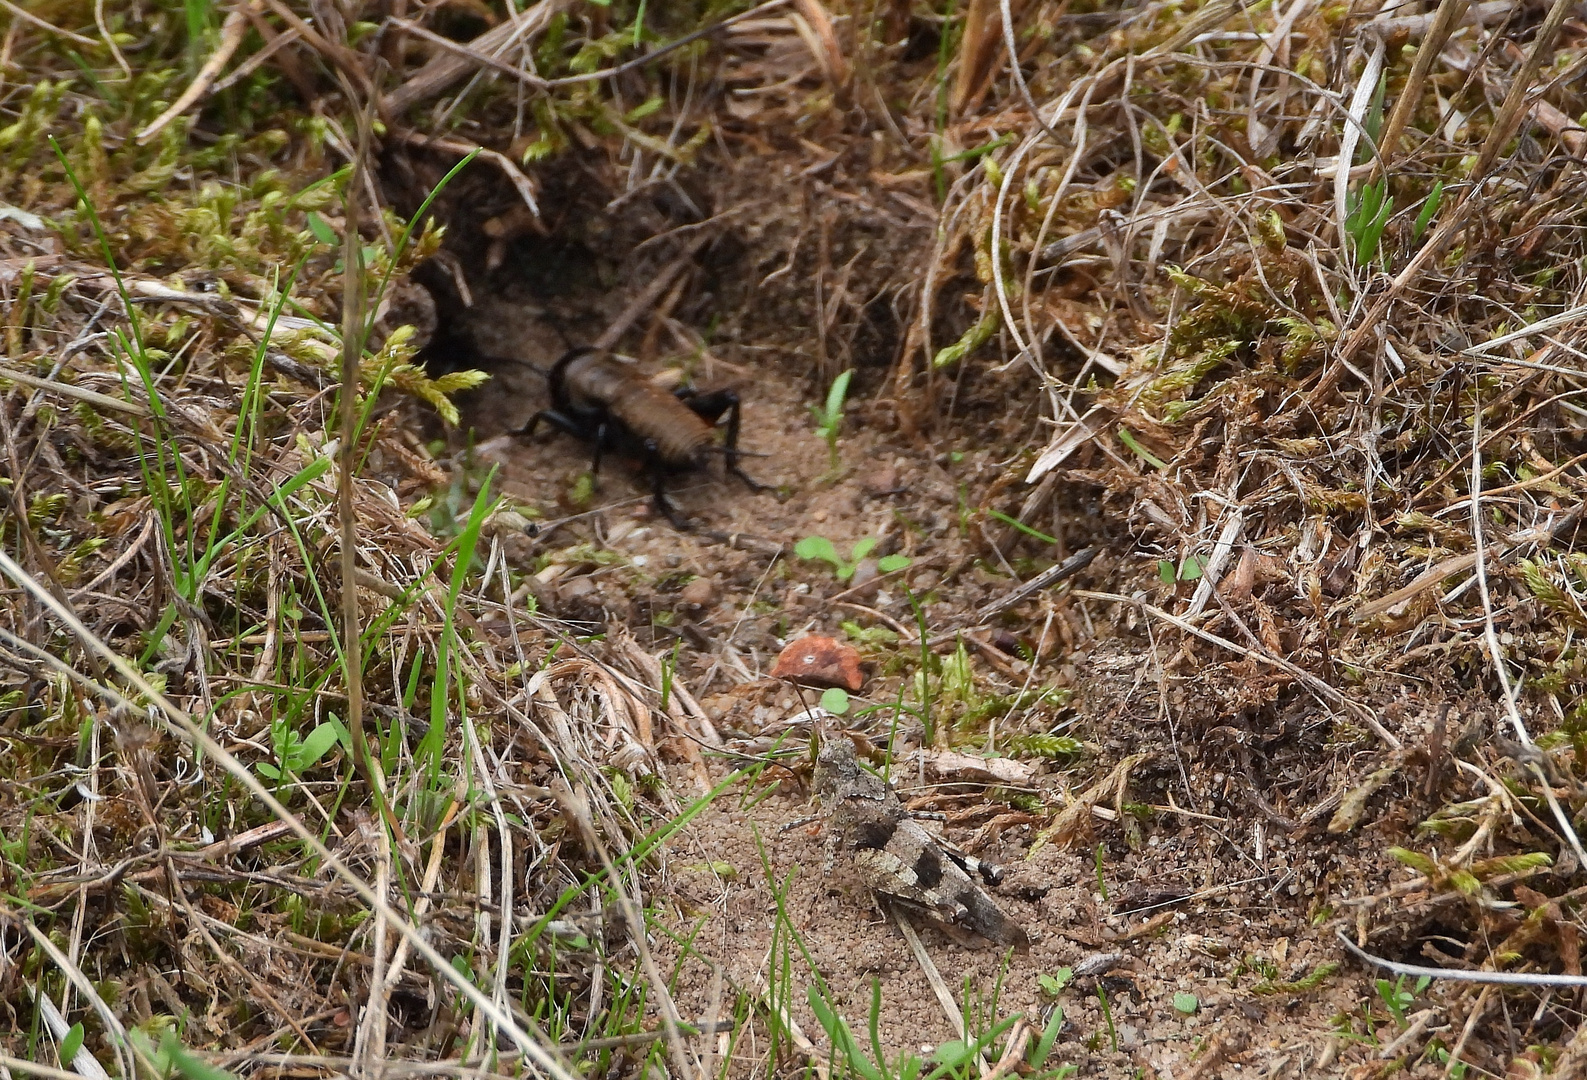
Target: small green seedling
870,635
171,1057
819,548
1053,985
1107,1017
1397,998
1186,1004
1021,526
1440,1053
322,232
1189,570
1369,215
297,753
972,339
668,665
829,417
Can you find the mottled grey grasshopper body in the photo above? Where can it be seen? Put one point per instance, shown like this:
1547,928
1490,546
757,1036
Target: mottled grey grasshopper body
897,857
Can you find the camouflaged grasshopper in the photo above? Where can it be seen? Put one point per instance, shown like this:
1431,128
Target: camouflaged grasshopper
897,857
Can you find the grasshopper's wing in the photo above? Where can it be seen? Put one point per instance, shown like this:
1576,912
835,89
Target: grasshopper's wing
912,867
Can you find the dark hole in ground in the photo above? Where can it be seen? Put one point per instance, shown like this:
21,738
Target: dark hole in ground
513,292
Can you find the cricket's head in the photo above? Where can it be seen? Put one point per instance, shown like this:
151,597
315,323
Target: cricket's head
836,766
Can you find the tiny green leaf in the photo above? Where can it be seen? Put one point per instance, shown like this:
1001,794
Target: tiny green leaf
1021,526
888,563
343,736
1043,1047
973,338
952,1054
322,232
188,1066
1186,1003
835,397
835,700
816,547
644,109
1415,860
71,1044
1128,438
320,740
862,548
1429,211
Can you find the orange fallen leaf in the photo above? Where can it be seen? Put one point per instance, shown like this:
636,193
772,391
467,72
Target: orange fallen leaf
821,662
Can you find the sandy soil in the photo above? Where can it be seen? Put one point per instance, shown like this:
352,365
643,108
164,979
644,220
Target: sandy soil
1220,880
1235,904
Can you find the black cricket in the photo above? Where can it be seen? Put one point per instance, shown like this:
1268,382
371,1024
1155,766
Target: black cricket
599,399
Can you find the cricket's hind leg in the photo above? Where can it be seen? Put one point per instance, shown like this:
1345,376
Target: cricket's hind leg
711,408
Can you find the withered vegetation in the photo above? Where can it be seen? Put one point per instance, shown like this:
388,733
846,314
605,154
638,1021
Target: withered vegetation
311,761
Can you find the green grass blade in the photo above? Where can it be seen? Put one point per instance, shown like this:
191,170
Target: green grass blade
462,562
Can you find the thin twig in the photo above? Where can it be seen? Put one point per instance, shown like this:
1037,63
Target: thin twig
462,148
1360,102
437,75
237,968
91,397
1453,1066
468,1065
1490,638
1489,978
232,32
83,1062
34,1068
933,976
49,28
257,59
126,1050
468,52
659,52
1432,46
646,298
